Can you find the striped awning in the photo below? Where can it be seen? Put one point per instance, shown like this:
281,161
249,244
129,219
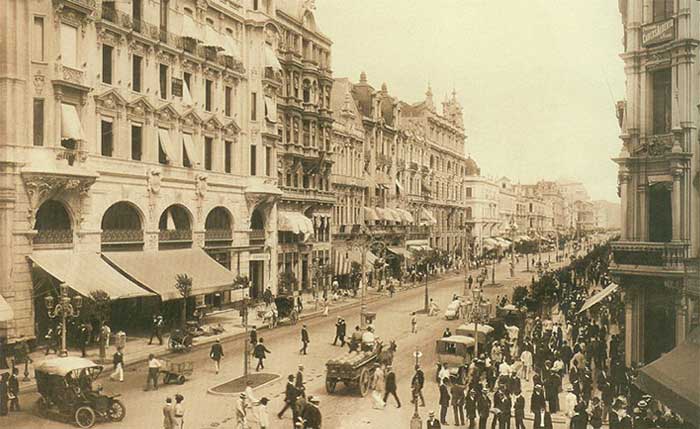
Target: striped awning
370,214
394,215
406,215
271,59
427,218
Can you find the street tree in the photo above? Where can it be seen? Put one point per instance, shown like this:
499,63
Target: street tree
183,284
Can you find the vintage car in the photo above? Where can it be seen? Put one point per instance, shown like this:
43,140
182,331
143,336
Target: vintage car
67,392
454,310
484,332
454,353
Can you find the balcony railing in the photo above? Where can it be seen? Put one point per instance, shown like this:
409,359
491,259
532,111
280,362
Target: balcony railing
122,236
175,235
54,236
218,234
663,255
256,237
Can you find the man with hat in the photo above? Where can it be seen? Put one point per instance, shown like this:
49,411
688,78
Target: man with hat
484,407
457,393
417,383
595,417
537,400
542,419
432,422
304,340
390,386
290,397
216,353
519,408
340,332
241,412
470,405
580,418
312,414
299,381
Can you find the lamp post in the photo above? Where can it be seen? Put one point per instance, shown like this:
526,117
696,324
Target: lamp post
65,309
416,422
364,243
476,308
513,228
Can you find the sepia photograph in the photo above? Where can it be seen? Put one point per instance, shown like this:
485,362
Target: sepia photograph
349,214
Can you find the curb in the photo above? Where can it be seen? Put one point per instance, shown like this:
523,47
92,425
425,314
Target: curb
211,391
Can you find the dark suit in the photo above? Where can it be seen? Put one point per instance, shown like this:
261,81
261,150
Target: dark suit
540,423
312,417
340,328
299,382
13,388
444,403
484,405
417,383
504,416
470,404
519,412
432,424
304,340
390,387
579,421
457,393
216,352
290,398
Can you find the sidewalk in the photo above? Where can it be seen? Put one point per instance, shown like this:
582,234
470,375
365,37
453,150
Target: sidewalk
137,349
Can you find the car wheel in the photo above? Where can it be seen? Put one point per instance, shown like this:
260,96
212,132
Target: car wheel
116,411
181,379
42,407
84,417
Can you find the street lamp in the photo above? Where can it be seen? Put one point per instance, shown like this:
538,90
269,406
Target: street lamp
513,228
65,309
364,243
476,307
416,422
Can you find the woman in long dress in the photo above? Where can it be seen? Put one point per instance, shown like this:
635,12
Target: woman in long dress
378,388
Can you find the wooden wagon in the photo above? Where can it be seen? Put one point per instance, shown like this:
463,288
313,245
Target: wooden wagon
353,369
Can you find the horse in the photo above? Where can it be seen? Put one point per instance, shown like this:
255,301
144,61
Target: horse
386,357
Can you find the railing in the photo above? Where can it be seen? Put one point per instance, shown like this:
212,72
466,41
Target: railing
84,5
256,237
665,255
218,234
175,235
122,236
54,236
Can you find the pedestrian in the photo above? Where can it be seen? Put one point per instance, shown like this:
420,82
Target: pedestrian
263,418
153,369
580,419
105,334
290,397
519,410
13,390
304,340
241,412
179,411
253,338
470,406
378,386
299,383
444,400
156,327
51,341
312,414
339,332
446,333
118,362
168,414
417,383
216,354
260,353
432,422
484,408
457,393
595,415
300,305
542,419
414,323
390,386
84,338
470,280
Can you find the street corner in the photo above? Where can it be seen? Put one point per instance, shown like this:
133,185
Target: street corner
239,384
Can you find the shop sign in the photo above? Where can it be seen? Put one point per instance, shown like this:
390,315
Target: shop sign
658,32
177,87
259,257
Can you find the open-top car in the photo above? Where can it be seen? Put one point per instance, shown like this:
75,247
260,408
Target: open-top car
67,392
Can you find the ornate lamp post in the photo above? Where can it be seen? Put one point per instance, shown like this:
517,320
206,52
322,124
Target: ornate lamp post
64,309
416,422
476,310
513,229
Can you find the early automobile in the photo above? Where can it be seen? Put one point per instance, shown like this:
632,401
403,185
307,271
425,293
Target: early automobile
454,310
454,353
483,332
67,392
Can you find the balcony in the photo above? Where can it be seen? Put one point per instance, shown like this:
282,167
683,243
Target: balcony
308,194
122,236
217,234
54,236
175,235
83,6
637,257
256,237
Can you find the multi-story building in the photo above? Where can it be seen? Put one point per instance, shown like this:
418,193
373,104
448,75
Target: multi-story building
538,212
482,197
606,215
553,196
656,259
507,206
305,157
152,140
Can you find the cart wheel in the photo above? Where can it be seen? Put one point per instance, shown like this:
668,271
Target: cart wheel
116,411
294,317
166,378
181,379
85,417
171,344
330,385
363,382
42,407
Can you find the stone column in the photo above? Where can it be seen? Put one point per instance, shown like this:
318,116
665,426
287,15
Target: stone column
634,326
624,179
676,203
681,305
643,218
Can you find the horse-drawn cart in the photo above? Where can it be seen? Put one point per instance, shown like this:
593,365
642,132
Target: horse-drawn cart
353,369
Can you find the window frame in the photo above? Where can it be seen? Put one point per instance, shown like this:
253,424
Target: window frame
163,83
136,73
107,120
38,137
228,156
139,126
107,64
41,38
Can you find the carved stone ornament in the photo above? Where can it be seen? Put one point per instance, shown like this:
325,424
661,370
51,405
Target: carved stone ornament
140,108
231,129
110,100
165,58
39,82
201,185
153,181
213,124
109,37
167,113
191,119
655,146
41,187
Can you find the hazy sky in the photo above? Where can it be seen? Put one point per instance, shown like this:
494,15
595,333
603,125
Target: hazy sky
537,78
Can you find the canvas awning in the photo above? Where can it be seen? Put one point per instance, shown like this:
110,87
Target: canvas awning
399,186
189,28
270,109
6,312
427,218
71,128
294,222
370,214
87,272
382,214
393,215
271,59
673,378
212,39
157,270
164,142
400,251
595,299
186,95
490,243
231,47
406,215
191,150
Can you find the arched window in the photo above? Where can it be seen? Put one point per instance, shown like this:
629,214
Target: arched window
257,220
218,224
175,226
306,91
121,223
53,224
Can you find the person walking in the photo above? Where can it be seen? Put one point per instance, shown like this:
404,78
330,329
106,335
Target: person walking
290,397
156,327
470,280
253,338
84,338
216,354
414,323
299,383
390,386
153,369
484,407
168,414
444,400
263,418
13,390
378,385
311,414
241,412
304,340
118,362
470,406
179,411
417,383
260,353
457,393
339,332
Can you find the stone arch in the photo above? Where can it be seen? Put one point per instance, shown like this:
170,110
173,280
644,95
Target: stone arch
123,215
308,21
181,217
257,219
53,223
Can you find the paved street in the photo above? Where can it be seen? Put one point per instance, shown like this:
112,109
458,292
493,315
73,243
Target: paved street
343,408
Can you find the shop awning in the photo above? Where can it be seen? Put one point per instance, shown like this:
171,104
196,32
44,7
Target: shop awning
356,256
71,128
271,59
186,95
189,28
394,215
371,259
339,265
191,150
87,272
294,222
157,270
164,142
400,251
6,312
673,378
427,218
595,299
406,215
490,243
370,214
231,47
382,214
212,39
270,109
